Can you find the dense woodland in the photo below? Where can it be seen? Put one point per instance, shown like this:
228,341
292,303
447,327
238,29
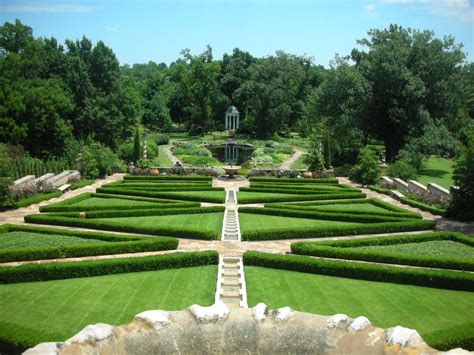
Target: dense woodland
403,87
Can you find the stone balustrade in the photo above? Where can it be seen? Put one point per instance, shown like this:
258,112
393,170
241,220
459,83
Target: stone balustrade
438,191
400,184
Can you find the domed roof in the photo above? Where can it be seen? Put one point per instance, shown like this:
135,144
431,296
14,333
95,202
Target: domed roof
231,109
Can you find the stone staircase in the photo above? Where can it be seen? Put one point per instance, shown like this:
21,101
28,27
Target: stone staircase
231,287
230,227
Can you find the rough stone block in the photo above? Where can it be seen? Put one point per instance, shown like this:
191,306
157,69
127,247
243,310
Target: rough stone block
74,176
397,194
417,188
24,187
386,182
438,191
400,184
45,183
61,178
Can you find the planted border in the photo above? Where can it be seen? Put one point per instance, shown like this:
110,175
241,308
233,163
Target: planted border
170,178
180,232
306,233
116,244
422,206
453,280
348,249
66,270
276,198
298,180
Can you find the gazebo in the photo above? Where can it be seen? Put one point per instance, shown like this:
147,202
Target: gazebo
232,119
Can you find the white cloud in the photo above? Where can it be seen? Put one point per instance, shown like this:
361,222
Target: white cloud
44,7
111,29
369,8
460,9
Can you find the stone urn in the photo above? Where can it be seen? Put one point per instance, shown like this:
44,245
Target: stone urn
231,170
154,171
307,174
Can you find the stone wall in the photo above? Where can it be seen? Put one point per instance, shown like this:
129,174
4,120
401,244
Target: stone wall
219,330
432,193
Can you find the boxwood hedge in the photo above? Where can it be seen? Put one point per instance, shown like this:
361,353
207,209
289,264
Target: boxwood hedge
305,233
459,336
295,180
170,178
65,270
423,206
349,249
114,244
447,279
314,197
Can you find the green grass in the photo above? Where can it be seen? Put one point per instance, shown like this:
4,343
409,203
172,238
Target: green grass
14,240
252,222
360,207
211,222
438,170
385,304
162,160
300,163
445,248
35,199
36,312
111,202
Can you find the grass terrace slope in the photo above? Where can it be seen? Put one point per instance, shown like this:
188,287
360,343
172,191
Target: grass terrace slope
317,208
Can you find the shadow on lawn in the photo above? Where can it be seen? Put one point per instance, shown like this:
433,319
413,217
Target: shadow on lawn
435,173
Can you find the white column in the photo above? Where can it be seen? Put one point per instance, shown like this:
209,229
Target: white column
238,121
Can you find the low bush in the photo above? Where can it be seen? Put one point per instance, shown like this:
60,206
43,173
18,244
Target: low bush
152,212
367,169
403,170
305,233
162,139
295,180
422,206
172,231
115,244
163,178
380,190
57,271
350,249
366,271
163,194
330,216
255,198
459,336
35,199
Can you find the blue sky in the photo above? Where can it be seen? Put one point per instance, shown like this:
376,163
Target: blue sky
143,30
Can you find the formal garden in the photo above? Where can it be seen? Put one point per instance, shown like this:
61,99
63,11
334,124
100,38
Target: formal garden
346,190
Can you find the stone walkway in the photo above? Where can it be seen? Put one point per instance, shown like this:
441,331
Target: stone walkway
171,156
290,161
16,216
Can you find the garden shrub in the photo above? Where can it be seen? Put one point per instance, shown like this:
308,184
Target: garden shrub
305,233
458,336
57,271
98,160
172,231
350,250
366,271
162,139
115,244
403,170
367,169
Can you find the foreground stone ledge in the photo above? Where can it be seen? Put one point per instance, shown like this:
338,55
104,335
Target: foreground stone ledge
218,329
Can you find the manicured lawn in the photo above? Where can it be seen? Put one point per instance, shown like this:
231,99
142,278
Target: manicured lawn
252,222
111,202
360,207
14,240
55,310
211,222
385,304
446,248
438,170
256,197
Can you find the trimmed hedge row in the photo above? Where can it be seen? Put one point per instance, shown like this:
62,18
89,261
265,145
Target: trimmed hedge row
66,270
159,184
290,190
320,203
380,190
459,336
121,207
335,216
112,244
276,198
305,233
180,232
350,250
164,178
35,199
69,201
152,212
453,280
203,198
295,180
310,209
422,206
176,188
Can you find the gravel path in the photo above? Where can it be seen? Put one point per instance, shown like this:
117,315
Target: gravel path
171,156
290,161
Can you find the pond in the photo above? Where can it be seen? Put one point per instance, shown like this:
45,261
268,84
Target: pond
231,154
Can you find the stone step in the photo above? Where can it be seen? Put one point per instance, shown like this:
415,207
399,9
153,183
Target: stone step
232,299
231,238
231,282
228,273
231,294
